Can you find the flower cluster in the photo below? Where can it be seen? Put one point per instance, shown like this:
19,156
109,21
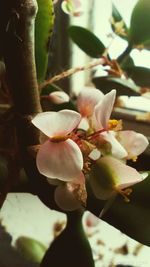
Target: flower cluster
87,145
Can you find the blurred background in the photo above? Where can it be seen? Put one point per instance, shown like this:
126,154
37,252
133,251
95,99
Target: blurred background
24,214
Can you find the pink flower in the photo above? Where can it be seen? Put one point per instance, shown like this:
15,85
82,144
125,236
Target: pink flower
59,157
68,196
110,175
103,110
58,97
88,98
72,7
134,143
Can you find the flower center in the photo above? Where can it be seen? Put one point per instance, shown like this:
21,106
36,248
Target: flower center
59,138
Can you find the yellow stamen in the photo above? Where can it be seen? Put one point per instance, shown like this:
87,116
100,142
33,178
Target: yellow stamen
125,193
112,124
134,159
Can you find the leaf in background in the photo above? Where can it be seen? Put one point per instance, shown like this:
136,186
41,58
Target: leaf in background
127,63
123,86
140,23
9,257
43,30
131,218
117,23
87,41
31,249
140,75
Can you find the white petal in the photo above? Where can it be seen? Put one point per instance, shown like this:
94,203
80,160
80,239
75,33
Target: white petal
134,143
117,150
65,199
62,160
57,123
71,7
88,99
110,174
84,124
103,111
58,97
124,176
95,154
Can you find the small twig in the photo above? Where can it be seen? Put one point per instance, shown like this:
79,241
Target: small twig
67,73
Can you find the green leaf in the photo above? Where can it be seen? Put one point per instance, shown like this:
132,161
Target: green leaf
140,75
131,218
8,255
32,250
140,23
87,41
127,63
117,22
123,86
43,30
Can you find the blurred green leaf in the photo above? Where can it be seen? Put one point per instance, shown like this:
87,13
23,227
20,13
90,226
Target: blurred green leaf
140,75
123,86
87,41
127,63
9,257
43,30
31,249
140,23
131,218
117,23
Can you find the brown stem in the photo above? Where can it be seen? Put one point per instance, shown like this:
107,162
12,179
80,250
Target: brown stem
72,71
21,72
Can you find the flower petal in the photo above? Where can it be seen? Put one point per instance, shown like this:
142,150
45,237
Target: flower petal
88,99
110,174
62,160
117,150
71,7
65,199
58,97
84,124
95,154
124,175
103,111
57,123
134,143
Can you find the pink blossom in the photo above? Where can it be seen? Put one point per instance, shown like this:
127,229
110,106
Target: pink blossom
66,194
59,157
134,143
72,7
114,177
58,97
103,110
88,98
